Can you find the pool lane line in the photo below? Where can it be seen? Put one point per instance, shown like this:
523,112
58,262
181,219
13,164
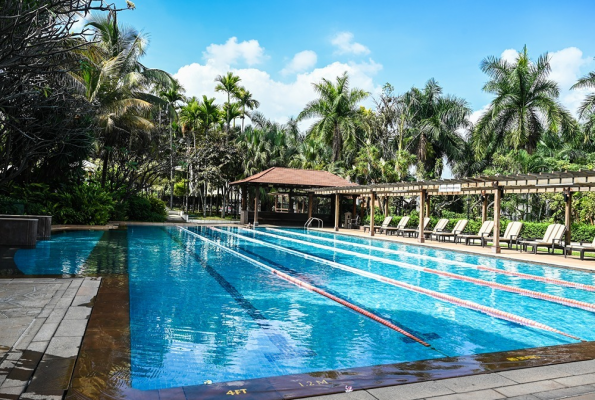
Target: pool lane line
441,296
308,280
276,338
561,282
310,287
523,292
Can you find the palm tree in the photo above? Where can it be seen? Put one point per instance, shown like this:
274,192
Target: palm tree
230,112
228,83
587,108
115,80
246,100
431,122
337,108
524,108
172,95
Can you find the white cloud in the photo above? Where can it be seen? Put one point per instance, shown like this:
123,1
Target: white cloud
345,44
232,52
279,100
302,61
509,55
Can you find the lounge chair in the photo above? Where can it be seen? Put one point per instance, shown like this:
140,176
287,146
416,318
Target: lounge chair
486,228
415,231
440,226
456,231
581,247
554,237
397,229
382,227
511,234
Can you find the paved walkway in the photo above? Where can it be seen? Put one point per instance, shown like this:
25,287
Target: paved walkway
563,381
42,322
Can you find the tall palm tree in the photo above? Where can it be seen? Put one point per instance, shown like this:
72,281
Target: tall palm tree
228,83
116,81
431,124
246,100
587,108
524,108
172,95
337,108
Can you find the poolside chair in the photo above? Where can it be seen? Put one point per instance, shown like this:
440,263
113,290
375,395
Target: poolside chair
457,230
414,231
511,234
382,227
582,248
553,238
400,226
440,226
486,228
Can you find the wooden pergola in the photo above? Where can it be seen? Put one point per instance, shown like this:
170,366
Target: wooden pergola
566,182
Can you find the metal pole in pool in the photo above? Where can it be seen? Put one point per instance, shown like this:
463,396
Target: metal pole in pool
307,286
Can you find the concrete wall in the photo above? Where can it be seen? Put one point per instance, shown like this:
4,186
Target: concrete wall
44,224
18,232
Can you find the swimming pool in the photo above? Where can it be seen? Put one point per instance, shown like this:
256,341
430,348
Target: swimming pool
224,304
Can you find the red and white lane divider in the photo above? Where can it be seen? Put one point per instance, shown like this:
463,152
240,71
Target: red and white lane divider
523,292
441,296
561,282
310,287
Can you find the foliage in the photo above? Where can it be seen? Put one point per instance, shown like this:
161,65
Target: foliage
82,205
148,209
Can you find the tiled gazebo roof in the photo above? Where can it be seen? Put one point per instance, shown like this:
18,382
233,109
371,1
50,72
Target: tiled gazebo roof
291,177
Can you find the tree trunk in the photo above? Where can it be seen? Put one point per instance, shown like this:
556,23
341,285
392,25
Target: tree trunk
104,171
337,144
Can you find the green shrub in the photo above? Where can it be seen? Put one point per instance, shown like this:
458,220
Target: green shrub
146,209
86,204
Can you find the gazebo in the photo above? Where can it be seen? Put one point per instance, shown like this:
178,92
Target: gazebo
287,185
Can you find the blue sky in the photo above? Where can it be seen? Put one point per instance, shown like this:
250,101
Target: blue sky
404,43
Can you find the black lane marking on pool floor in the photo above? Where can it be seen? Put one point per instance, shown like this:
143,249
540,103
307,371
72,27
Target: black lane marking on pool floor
286,349
425,336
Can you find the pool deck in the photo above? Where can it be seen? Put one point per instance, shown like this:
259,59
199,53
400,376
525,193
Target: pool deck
49,348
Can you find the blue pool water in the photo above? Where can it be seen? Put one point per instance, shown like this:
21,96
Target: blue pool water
204,304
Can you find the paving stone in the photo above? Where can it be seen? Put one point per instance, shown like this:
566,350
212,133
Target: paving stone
86,291
64,346
72,327
480,394
34,396
78,313
46,332
64,302
57,314
14,355
529,388
476,382
539,373
70,292
10,390
523,397
411,391
82,300
566,392
29,334
587,379
47,310
582,397
38,346
356,395
13,383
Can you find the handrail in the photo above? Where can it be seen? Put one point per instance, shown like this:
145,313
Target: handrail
320,223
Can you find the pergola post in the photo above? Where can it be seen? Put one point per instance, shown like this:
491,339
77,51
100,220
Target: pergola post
244,206
354,206
372,201
256,204
568,214
290,201
337,214
386,206
310,204
484,207
497,199
428,203
422,209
